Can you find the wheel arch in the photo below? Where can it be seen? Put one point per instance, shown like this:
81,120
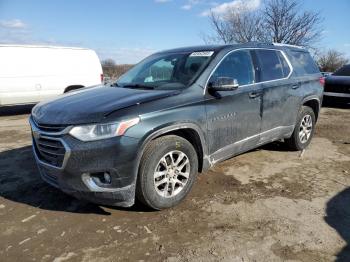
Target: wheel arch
314,103
189,131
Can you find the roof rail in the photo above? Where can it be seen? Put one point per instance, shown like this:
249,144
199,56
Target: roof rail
259,43
288,45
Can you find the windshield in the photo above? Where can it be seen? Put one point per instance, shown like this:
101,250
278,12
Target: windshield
166,71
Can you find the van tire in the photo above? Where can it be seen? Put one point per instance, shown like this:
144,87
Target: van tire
162,154
71,88
306,115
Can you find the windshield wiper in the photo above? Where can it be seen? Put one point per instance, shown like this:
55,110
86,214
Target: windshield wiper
138,86
115,84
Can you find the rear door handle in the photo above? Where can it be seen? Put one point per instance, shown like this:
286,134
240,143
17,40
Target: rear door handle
295,86
254,94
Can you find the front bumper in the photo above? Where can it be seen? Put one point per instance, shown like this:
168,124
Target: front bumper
117,156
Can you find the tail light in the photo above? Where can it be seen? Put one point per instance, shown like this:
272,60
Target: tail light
101,78
322,81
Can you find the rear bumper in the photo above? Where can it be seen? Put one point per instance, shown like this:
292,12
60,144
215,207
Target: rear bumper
117,156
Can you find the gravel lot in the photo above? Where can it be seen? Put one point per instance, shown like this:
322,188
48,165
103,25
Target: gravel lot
266,205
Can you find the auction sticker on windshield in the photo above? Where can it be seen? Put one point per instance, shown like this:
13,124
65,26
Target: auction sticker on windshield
205,53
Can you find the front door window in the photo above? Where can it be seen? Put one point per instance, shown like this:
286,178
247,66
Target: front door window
237,65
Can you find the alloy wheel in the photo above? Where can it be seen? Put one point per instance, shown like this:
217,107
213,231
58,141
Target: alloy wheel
171,174
305,129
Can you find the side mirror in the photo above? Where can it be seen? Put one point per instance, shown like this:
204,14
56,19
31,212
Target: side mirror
224,84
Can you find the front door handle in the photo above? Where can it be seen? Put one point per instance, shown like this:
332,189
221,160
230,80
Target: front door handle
254,94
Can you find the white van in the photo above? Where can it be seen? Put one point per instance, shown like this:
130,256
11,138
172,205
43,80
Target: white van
29,74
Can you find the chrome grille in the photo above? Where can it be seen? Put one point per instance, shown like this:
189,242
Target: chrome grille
49,150
48,145
50,128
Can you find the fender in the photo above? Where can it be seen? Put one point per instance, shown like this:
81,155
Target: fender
312,97
173,127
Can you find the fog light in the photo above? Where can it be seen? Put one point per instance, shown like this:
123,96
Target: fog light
107,178
98,182
102,178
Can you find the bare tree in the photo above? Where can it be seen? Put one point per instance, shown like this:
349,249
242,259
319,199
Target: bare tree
112,70
235,26
280,21
331,60
285,23
122,69
108,66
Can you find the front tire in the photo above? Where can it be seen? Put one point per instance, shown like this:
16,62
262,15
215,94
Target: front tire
303,131
168,169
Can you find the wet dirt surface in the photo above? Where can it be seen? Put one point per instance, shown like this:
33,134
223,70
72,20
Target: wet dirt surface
266,205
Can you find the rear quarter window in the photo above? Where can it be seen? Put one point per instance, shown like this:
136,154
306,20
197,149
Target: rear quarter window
303,63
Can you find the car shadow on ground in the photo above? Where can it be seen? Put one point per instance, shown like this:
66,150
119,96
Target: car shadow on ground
338,217
20,182
278,146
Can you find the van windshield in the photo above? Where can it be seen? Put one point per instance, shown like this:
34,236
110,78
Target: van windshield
166,71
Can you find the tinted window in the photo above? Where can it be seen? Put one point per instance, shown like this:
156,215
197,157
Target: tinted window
194,63
237,65
166,70
285,68
303,63
271,67
344,71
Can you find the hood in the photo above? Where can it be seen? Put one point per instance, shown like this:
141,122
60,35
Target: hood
91,105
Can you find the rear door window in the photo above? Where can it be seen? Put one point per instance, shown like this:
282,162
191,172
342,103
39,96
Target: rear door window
271,67
303,63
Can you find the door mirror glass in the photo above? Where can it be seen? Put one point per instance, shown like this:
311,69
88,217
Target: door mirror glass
224,84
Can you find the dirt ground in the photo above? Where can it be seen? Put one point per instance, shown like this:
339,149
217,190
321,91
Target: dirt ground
266,205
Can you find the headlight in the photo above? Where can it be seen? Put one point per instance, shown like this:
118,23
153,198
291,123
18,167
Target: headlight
102,131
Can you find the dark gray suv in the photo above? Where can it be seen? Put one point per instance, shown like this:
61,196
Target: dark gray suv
175,114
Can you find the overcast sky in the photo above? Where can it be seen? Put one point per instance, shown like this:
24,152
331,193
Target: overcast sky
129,30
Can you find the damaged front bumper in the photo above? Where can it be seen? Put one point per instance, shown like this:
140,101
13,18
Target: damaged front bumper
103,172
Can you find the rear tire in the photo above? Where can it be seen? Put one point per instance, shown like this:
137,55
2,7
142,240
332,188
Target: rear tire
303,131
167,171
